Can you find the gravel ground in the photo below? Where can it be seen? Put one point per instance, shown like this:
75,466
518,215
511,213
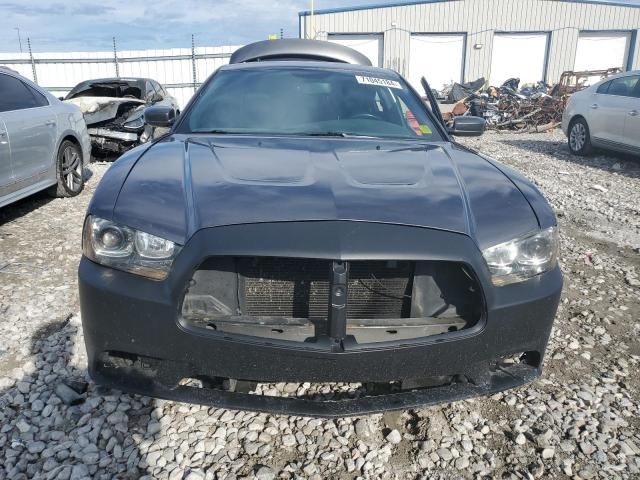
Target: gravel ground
580,420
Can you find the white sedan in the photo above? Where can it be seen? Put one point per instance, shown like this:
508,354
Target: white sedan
44,142
605,115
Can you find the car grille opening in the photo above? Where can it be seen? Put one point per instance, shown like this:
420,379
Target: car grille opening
288,298
379,289
296,288
284,287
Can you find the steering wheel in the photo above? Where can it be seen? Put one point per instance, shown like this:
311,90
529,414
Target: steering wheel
365,116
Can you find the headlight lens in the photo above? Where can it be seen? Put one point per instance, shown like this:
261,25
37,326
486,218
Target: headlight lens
135,123
523,258
118,246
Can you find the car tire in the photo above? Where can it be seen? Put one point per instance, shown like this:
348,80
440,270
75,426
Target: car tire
578,137
69,171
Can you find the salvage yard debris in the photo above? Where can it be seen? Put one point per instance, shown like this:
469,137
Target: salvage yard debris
571,82
532,108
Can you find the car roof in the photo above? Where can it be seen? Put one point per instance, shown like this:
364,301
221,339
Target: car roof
335,66
8,71
116,79
629,73
624,74
298,49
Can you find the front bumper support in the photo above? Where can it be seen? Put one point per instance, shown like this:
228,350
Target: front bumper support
497,381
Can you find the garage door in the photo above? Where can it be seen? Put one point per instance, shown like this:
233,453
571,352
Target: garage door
599,51
371,46
521,55
439,58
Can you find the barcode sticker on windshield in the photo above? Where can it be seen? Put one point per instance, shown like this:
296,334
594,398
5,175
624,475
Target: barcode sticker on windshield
382,82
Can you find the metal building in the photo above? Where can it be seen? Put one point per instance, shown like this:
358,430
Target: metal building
462,40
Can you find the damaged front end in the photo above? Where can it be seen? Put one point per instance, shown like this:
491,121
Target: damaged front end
115,125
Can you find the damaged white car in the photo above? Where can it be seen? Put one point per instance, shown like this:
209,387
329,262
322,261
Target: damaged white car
113,110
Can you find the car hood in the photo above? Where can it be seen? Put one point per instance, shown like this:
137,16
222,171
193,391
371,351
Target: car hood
100,109
183,184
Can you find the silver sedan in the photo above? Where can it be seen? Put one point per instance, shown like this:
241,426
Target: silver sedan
44,142
605,115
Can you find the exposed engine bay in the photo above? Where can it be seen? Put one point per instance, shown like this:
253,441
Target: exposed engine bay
114,113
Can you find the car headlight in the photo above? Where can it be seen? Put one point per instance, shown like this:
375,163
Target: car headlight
135,124
124,248
523,258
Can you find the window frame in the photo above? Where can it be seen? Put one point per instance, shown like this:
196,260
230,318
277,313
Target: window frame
149,90
158,88
38,97
603,89
632,90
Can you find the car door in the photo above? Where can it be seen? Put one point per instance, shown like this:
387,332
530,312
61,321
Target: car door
6,172
30,124
632,120
608,108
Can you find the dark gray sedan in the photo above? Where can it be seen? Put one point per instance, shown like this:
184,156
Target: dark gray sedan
309,219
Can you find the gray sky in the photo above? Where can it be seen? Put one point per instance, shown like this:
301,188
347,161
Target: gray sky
81,25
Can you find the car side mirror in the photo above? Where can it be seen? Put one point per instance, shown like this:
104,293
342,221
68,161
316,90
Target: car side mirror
155,98
467,126
160,116
61,99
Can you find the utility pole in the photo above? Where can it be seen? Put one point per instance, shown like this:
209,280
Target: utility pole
19,38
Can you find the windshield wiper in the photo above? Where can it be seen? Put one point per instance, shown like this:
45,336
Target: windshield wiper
335,134
216,132
321,134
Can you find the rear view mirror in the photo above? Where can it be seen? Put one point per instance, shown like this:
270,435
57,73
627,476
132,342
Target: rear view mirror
160,116
467,126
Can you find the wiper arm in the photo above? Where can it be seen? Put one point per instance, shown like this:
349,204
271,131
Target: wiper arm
336,134
217,132
323,134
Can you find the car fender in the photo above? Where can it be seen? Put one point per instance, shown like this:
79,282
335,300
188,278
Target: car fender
107,192
541,208
575,108
71,124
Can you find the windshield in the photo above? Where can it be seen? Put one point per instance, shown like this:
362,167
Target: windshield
308,101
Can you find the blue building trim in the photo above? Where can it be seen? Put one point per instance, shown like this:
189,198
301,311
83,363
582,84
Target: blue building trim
632,49
402,3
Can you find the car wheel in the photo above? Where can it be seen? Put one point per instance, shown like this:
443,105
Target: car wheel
579,138
69,171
